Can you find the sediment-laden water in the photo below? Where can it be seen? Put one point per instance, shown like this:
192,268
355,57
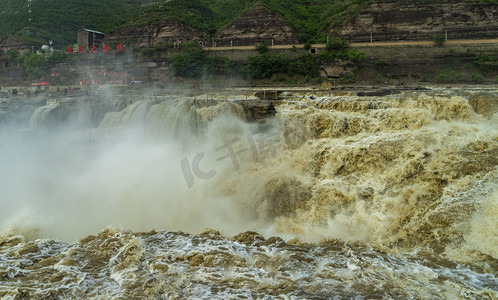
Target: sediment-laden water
336,196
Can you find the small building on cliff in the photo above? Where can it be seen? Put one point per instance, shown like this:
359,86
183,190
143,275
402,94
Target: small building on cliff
88,38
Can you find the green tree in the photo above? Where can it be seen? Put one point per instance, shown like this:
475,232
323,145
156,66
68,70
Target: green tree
264,66
485,63
34,64
304,65
337,44
381,65
356,56
262,48
439,39
194,64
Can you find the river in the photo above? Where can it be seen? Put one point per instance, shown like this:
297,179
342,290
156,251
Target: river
332,196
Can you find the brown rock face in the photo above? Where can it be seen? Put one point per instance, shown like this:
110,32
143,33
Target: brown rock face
163,31
259,24
399,20
14,43
337,70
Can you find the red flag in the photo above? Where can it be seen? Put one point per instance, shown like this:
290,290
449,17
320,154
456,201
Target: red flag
106,48
93,50
120,47
81,49
70,50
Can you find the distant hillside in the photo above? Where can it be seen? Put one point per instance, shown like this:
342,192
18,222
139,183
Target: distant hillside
310,19
423,20
204,15
59,20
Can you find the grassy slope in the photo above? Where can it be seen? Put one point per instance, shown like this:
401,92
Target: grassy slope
205,15
311,19
59,20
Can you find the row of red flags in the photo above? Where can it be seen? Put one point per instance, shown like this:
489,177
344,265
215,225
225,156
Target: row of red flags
106,48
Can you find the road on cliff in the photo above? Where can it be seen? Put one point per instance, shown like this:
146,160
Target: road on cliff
374,44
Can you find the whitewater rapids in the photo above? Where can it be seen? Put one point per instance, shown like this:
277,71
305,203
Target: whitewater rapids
335,196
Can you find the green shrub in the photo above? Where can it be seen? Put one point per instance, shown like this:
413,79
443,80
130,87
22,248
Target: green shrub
192,65
477,78
440,78
262,48
304,65
351,54
328,56
268,66
424,78
191,46
439,39
148,52
12,53
449,76
381,65
264,66
349,78
59,57
356,56
278,77
33,64
337,44
485,62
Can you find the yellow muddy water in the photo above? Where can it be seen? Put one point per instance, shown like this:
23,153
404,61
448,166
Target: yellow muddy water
336,196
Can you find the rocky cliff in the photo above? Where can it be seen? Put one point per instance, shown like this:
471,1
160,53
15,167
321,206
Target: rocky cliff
14,43
163,31
257,25
403,20
379,21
